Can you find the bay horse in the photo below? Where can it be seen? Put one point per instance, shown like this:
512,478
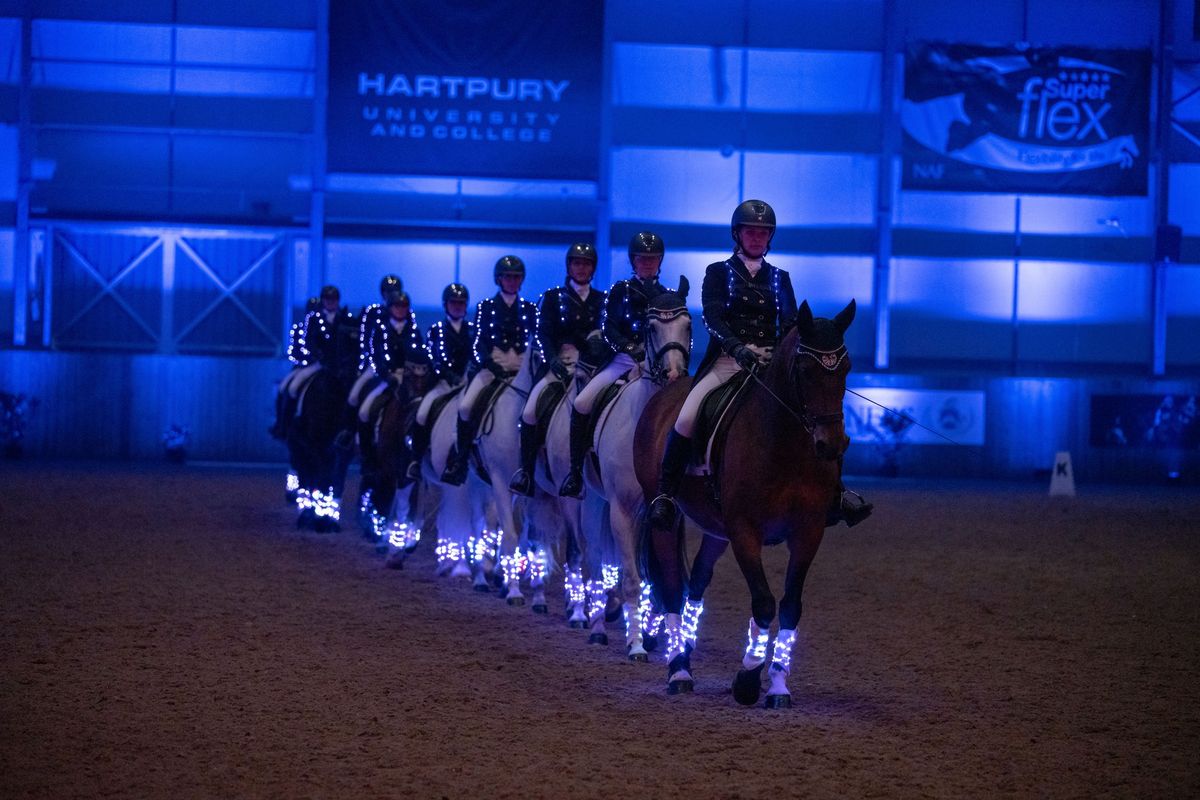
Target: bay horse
668,342
387,498
774,477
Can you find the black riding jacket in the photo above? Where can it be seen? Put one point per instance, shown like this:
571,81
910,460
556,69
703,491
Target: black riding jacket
391,349
624,319
565,318
498,324
330,338
451,349
739,309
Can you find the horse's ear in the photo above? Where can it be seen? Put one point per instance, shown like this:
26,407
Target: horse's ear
684,286
804,319
845,317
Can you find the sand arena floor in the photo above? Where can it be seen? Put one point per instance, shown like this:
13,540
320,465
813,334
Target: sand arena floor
166,633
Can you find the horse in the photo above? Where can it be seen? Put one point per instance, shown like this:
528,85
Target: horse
668,341
319,464
387,515
774,476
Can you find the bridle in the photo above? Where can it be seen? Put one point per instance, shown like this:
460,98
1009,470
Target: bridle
658,372
829,360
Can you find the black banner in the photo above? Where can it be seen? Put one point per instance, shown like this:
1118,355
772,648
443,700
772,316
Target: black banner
1047,120
447,87
1145,420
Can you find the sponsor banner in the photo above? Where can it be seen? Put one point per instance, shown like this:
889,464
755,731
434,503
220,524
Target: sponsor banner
957,416
1145,420
1032,120
448,87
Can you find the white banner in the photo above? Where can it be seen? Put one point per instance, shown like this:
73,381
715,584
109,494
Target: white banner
957,416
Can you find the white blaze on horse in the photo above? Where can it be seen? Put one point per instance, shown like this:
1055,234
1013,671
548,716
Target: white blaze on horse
668,348
774,475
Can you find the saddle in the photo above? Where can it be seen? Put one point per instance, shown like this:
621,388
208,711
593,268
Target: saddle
549,400
709,441
481,415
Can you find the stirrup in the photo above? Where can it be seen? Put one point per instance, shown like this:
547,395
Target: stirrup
521,483
663,510
413,473
850,508
572,485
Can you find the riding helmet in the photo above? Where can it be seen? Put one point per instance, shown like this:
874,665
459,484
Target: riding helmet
508,265
645,243
582,250
756,214
397,297
330,292
388,283
455,291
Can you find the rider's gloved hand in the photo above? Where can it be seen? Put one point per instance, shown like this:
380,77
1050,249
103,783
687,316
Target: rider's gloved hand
494,368
635,351
745,357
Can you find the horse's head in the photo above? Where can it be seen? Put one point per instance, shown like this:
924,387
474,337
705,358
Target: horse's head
418,375
817,367
669,334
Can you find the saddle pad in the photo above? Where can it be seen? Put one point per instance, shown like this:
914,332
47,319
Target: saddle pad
603,401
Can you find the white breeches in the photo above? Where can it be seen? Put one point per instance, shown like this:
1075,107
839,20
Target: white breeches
296,378
440,390
586,399
722,370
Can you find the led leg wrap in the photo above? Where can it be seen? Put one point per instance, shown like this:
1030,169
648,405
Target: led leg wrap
611,575
325,504
574,588
691,621
672,627
403,535
364,503
633,623
485,546
512,567
304,500
449,552
293,481
650,620
597,599
756,646
538,565
781,656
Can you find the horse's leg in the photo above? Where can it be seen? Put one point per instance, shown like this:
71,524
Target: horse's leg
802,549
623,528
512,560
711,550
747,549
667,566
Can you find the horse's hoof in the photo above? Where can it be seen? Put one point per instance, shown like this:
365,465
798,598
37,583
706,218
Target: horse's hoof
394,562
640,658
598,638
307,519
515,600
613,609
541,608
481,587
747,686
778,701
681,687
577,624
650,642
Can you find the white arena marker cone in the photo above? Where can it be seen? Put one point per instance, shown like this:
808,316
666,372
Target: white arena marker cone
1062,478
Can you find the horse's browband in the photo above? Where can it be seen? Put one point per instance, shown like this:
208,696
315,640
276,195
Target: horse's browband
829,359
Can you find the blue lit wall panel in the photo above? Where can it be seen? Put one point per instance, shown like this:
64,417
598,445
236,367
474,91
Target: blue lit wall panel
356,267
813,82
6,286
966,212
950,309
698,187
1183,316
1184,189
813,189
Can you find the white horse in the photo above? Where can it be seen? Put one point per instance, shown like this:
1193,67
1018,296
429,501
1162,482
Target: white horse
668,348
467,533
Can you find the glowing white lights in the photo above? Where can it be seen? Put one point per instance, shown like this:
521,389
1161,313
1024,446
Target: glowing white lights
675,642
756,645
691,620
449,552
781,655
611,576
404,535
539,565
597,599
293,482
573,585
485,546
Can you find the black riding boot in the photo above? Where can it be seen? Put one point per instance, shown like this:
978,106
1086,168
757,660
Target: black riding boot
670,475
418,445
456,465
572,485
848,507
522,479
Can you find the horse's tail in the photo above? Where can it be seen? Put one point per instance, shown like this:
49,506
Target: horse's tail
652,569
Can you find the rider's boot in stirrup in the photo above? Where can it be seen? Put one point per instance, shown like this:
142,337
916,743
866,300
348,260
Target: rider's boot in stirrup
522,480
670,475
418,437
572,485
456,465
848,507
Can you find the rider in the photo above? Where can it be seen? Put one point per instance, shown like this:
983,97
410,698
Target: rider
623,324
300,356
568,323
395,340
368,320
748,306
503,326
449,345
